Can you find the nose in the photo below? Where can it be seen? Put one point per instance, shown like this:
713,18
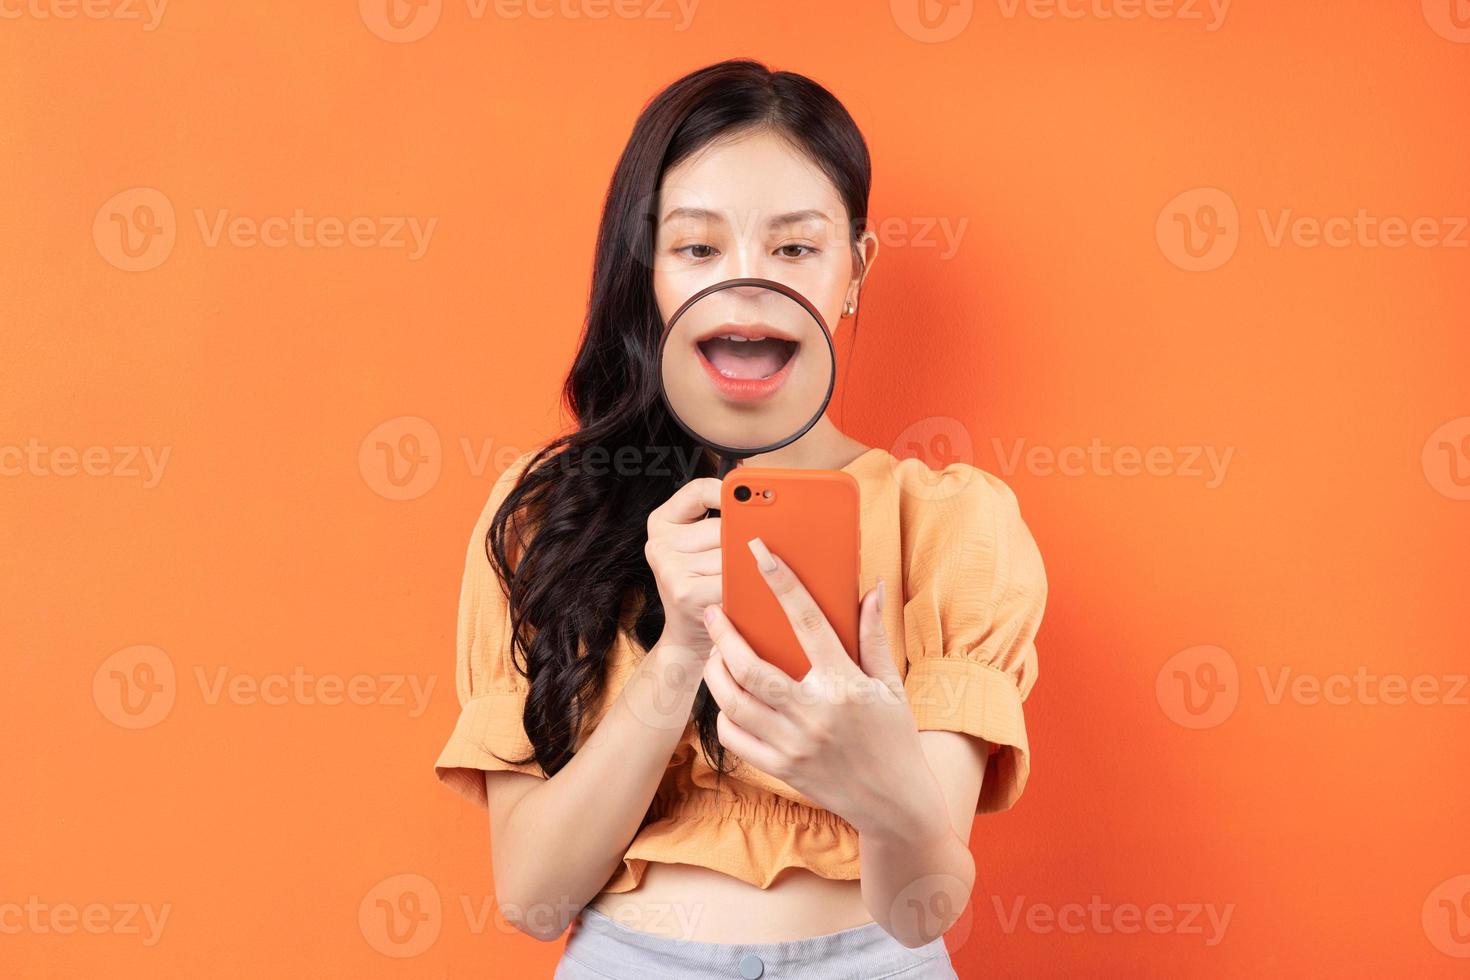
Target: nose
748,292
750,259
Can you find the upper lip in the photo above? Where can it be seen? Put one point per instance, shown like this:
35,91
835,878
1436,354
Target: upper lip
750,331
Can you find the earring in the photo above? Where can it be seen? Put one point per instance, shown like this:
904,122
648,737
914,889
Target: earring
849,309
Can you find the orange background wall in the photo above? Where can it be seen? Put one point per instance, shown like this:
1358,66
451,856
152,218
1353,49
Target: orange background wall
271,822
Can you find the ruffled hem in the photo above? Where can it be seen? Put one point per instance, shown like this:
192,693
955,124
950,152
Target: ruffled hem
708,833
957,694
489,725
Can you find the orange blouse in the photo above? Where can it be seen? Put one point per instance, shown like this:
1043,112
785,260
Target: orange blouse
963,638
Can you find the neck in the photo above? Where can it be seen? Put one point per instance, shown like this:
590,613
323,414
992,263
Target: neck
823,447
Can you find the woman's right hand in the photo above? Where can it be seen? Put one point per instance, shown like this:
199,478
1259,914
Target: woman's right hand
683,550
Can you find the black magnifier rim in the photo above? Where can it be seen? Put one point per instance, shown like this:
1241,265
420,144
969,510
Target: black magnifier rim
731,452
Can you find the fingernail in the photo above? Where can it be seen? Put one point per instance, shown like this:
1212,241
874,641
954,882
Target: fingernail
709,615
763,557
880,594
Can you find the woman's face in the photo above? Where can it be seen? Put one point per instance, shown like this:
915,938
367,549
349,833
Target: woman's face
746,367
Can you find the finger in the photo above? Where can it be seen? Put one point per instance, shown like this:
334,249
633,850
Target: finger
702,591
690,502
874,650
701,563
813,632
764,681
753,715
748,747
699,536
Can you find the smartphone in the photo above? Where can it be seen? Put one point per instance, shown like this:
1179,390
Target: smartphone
810,519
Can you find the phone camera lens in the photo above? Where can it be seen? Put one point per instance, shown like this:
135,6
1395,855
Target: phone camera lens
742,493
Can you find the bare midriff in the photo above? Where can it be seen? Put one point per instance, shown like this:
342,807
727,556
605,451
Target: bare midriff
685,901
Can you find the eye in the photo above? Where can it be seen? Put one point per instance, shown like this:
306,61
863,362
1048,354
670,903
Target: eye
697,251
794,251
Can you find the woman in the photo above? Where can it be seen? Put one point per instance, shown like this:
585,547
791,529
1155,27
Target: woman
819,836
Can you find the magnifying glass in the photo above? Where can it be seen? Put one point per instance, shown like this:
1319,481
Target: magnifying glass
746,366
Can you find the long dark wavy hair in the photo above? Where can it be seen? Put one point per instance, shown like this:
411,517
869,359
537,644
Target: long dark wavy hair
581,577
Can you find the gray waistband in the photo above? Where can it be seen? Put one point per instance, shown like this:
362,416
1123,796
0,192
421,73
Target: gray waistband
616,950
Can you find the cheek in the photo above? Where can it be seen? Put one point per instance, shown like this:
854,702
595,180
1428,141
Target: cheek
666,294
827,289
831,307
674,283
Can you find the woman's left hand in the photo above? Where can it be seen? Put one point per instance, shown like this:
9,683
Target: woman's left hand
843,736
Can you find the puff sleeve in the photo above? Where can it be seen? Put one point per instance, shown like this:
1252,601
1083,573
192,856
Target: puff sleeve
978,593
492,692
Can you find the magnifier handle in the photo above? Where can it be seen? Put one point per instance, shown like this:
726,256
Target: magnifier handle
727,463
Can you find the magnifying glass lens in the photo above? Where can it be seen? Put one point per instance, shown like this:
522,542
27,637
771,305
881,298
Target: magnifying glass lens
746,368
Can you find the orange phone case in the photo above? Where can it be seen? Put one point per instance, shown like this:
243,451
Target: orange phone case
810,521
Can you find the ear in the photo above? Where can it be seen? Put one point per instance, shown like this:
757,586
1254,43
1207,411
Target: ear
865,253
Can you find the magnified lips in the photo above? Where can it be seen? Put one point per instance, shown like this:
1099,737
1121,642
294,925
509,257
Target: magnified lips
740,358
746,352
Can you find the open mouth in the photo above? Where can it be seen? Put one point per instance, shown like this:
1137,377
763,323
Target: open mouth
747,358
746,362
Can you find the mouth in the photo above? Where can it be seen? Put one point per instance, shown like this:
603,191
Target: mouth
746,362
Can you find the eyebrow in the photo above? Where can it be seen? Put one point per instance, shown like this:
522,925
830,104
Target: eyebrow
789,218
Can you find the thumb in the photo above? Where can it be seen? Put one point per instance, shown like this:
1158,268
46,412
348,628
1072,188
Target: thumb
873,649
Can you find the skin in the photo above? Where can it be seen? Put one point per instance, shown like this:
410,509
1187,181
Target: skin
843,736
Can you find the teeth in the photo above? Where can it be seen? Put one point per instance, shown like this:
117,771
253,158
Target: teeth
739,339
